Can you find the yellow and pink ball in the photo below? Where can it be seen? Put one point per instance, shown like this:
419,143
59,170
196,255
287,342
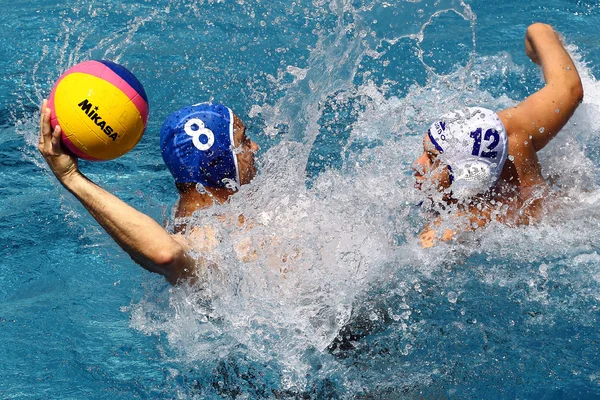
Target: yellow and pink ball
101,108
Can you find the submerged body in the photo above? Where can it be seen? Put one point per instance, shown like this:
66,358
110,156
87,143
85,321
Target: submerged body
516,196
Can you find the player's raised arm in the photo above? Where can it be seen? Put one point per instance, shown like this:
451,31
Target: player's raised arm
543,114
139,235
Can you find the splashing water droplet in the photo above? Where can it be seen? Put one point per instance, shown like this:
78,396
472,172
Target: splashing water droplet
543,270
452,297
542,129
557,110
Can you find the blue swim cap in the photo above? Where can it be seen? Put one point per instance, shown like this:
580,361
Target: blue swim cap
197,145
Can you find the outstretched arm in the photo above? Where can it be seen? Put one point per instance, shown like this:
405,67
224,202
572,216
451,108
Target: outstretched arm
543,114
140,236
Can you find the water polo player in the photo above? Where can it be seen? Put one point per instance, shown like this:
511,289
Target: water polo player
208,153
483,165
205,147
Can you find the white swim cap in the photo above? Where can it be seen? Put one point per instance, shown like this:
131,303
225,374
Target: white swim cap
473,144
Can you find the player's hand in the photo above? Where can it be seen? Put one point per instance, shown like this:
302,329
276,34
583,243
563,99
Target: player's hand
537,32
427,238
62,163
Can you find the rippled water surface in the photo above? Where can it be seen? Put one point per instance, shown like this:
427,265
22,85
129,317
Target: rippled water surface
339,300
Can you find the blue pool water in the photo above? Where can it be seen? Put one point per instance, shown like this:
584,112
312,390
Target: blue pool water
336,93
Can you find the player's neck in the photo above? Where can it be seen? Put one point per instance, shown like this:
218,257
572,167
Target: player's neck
192,199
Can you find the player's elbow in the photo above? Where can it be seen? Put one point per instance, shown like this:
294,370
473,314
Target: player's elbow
172,263
577,92
165,257
570,91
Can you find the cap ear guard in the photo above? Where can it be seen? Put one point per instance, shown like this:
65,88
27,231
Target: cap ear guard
470,178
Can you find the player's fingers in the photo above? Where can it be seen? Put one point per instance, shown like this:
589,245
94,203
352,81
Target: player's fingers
42,112
46,128
56,147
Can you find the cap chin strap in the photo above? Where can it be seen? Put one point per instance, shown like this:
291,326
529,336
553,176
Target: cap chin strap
470,178
236,184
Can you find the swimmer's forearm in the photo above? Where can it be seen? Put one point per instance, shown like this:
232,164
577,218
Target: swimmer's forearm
139,235
540,117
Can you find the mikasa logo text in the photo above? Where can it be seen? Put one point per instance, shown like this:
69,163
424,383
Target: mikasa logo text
86,106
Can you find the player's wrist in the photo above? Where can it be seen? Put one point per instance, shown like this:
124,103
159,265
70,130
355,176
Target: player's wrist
70,178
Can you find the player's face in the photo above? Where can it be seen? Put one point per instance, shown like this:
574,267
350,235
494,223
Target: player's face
246,152
429,171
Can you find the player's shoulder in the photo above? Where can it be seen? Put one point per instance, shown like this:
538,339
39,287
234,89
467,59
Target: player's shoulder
198,238
512,121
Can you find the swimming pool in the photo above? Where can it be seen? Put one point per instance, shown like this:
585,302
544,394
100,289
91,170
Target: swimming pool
336,93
